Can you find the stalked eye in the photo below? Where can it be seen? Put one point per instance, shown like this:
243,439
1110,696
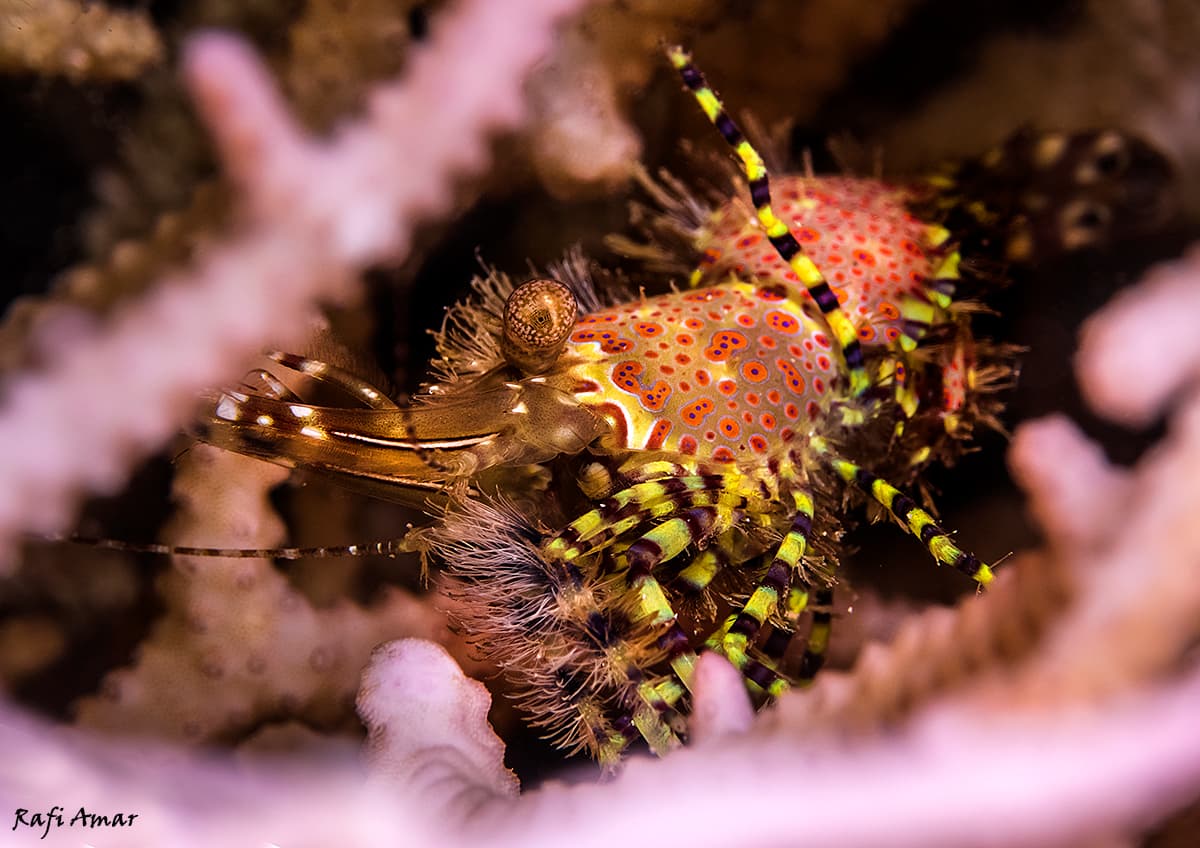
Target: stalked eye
538,317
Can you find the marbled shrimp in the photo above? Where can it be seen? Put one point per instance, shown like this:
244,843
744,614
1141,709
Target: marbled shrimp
618,483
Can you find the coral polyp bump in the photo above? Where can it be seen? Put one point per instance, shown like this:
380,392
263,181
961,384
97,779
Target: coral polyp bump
621,482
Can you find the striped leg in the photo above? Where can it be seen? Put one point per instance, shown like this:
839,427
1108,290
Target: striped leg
642,503
661,544
777,231
906,512
787,564
818,636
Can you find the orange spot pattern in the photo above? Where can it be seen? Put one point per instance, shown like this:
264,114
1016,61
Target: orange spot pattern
625,377
694,413
782,322
724,344
658,434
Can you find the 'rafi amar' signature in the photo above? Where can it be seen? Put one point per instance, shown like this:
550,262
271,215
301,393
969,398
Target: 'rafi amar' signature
55,817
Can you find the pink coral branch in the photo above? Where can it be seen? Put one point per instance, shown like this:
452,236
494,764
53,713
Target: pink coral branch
1127,381
316,211
940,781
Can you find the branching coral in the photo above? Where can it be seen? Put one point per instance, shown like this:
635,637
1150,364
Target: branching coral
237,643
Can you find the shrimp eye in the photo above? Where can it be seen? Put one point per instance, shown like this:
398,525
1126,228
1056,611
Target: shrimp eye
538,317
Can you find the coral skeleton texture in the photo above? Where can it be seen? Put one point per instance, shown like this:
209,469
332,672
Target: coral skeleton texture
1059,708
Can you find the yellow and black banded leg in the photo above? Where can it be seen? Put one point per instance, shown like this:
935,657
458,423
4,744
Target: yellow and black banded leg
764,601
649,608
609,638
777,231
642,503
904,509
818,636
697,575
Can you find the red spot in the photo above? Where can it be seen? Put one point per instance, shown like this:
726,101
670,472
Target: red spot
723,345
726,387
772,292
692,324
768,342
749,241
748,417
888,310
685,338
773,397
758,444
791,411
658,434
723,454
696,411
822,340
891,333
745,320
807,235
752,398
819,385
730,429
616,345
813,409
754,371
688,445
767,420
781,322
823,362
625,377
864,257
866,333
702,377
795,382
